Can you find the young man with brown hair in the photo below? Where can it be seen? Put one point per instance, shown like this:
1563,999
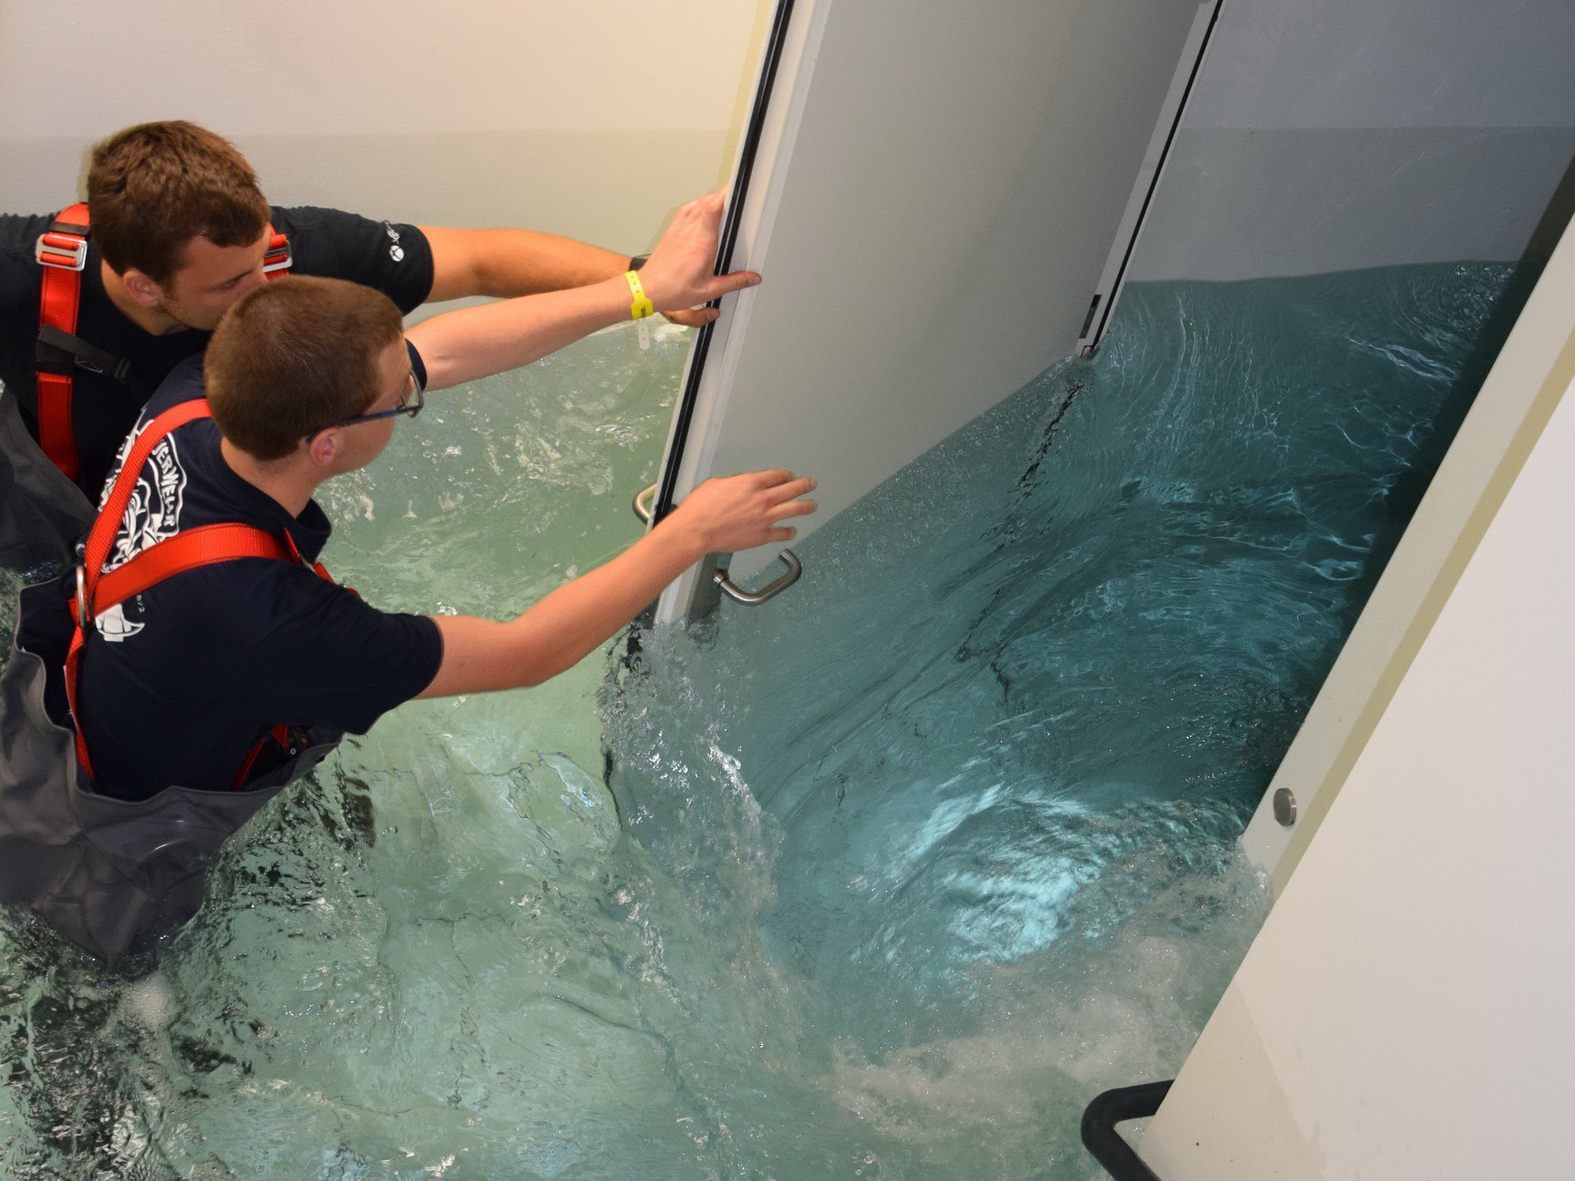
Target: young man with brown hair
175,230
199,690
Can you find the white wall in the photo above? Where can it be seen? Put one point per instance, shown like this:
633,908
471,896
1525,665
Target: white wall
1404,1011
592,119
1346,133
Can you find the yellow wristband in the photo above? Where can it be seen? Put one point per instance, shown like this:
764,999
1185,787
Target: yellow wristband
640,307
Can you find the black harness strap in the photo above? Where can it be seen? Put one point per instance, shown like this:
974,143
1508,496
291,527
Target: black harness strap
58,351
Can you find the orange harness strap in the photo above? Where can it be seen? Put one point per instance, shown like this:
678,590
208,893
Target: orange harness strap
62,252
187,550
190,549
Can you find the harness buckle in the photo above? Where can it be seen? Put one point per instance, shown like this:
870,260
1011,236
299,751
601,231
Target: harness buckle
68,252
279,255
83,618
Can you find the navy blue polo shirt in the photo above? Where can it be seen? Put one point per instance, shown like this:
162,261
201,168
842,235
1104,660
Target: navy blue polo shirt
178,683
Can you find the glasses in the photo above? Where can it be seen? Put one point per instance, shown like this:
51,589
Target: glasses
410,403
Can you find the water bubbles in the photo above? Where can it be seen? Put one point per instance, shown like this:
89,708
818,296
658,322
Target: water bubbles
872,884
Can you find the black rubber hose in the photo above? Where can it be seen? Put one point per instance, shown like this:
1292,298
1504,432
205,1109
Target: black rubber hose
1105,1143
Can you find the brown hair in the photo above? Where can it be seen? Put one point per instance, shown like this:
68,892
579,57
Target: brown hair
154,187
296,356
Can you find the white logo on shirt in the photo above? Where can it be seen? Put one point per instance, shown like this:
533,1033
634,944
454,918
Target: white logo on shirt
153,512
152,515
113,625
396,251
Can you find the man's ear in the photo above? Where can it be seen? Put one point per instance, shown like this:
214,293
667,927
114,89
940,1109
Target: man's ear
324,447
142,289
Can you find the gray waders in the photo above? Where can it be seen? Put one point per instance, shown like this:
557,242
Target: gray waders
42,513
110,875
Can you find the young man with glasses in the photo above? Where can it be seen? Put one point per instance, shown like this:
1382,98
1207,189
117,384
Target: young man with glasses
198,695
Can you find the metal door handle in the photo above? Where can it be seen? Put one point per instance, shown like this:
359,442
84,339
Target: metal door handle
642,503
644,510
770,591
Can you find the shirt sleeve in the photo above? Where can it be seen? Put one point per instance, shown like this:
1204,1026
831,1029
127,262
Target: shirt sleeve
418,364
393,257
329,658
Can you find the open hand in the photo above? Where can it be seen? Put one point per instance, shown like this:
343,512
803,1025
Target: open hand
679,275
736,513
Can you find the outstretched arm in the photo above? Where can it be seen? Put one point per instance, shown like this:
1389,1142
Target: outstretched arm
720,516
463,345
506,263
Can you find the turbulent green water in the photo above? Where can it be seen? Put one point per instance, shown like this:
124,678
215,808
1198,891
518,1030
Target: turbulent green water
890,878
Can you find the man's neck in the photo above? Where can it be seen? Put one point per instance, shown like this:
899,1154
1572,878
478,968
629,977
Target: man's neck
153,320
289,485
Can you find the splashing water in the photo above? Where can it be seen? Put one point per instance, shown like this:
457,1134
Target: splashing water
891,877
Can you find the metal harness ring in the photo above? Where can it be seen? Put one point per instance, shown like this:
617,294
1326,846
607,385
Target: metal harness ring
83,618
